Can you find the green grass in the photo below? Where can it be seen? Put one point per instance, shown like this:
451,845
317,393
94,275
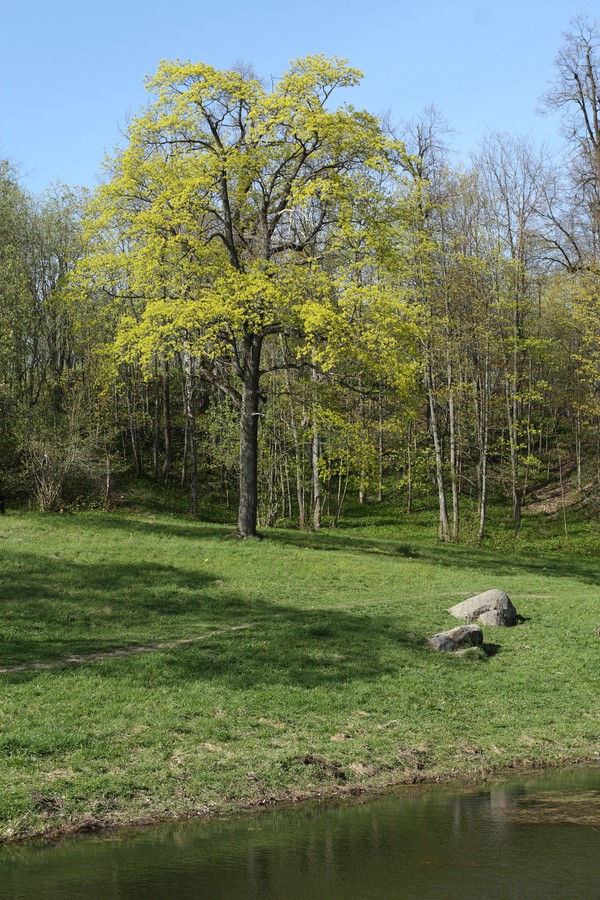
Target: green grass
334,667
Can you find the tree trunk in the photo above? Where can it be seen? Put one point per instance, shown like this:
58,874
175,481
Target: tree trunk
454,477
341,496
511,414
453,461
190,415
184,455
168,459
444,527
156,431
272,498
299,478
380,449
107,483
133,433
482,426
316,481
362,489
315,455
298,450
578,447
562,490
248,498
409,485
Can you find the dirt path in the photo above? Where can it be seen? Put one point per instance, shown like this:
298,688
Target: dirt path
119,651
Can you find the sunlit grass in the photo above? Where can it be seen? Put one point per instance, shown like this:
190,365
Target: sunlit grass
331,685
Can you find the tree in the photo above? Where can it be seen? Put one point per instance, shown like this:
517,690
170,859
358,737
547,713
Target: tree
513,177
576,96
426,271
15,310
211,229
40,240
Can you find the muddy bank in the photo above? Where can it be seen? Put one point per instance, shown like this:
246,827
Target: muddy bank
52,829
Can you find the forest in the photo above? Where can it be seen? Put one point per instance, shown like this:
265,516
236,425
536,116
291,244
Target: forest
275,302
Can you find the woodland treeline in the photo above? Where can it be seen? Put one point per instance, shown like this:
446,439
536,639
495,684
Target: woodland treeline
279,301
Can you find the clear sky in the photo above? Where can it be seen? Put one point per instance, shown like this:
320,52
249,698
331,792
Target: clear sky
71,71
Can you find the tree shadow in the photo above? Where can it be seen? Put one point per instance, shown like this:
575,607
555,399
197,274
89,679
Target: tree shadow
67,608
176,526
494,562
305,649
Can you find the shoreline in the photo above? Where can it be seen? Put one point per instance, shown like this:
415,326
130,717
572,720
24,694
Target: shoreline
118,824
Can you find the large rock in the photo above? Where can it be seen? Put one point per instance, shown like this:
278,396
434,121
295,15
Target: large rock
458,638
490,608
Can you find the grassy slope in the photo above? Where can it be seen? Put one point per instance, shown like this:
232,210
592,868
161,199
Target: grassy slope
334,667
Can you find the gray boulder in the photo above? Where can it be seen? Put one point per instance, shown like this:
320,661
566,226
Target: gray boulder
458,638
490,608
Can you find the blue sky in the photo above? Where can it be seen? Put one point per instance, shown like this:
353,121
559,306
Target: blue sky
71,72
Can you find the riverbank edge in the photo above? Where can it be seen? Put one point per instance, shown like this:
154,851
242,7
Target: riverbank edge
120,822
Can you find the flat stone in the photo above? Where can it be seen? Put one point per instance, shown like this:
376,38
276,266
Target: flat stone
457,638
490,608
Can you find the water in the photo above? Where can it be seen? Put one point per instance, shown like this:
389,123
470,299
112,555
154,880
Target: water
527,838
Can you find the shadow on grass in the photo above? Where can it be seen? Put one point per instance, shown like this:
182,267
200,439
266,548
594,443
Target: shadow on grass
346,540
65,607
500,564
55,607
298,649
288,649
496,563
173,527
52,608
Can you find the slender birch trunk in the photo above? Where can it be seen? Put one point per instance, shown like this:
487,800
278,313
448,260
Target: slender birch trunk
444,526
316,481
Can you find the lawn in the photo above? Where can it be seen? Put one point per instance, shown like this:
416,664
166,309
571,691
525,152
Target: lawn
269,670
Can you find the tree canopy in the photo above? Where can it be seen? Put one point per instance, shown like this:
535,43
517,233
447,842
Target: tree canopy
219,225
274,301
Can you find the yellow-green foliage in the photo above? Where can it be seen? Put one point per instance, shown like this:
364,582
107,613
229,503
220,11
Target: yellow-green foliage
229,210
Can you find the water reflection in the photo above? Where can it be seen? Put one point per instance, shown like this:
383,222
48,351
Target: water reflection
530,838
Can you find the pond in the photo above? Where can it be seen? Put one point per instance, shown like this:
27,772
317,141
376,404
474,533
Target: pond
533,836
